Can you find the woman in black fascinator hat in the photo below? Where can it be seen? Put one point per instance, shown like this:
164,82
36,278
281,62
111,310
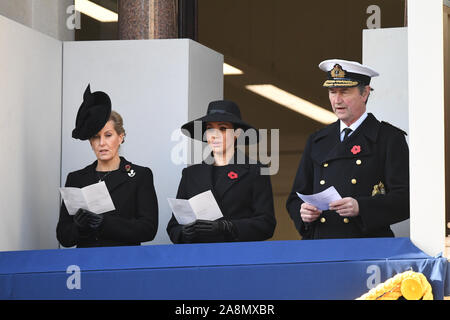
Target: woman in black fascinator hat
135,218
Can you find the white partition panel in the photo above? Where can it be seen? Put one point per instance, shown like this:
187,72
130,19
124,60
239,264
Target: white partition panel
155,85
30,137
426,123
386,50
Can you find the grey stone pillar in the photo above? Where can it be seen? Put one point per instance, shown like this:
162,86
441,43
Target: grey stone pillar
148,19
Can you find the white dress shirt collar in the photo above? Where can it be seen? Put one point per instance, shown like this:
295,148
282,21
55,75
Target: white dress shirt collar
353,126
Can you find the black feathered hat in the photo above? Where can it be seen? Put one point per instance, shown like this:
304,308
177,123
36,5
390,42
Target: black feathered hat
92,115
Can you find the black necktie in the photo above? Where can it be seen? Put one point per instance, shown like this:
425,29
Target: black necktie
346,133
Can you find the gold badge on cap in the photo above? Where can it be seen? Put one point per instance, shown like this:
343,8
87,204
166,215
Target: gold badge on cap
378,189
337,72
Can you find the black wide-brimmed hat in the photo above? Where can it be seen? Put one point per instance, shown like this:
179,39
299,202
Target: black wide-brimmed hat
92,115
218,111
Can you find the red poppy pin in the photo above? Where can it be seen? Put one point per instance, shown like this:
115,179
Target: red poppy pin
127,167
232,175
356,149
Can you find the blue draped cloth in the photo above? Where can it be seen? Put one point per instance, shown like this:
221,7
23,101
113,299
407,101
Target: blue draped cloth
270,270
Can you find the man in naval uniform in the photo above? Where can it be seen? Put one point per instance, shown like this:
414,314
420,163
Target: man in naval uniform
366,160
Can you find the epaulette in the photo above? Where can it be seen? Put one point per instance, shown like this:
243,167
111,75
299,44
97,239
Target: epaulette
394,127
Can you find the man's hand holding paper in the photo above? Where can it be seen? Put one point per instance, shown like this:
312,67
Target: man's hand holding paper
321,200
328,199
309,213
346,207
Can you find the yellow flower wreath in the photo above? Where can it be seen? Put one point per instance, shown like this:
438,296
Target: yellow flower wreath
409,284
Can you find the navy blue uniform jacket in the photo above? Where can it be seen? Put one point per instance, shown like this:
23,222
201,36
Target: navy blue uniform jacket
376,154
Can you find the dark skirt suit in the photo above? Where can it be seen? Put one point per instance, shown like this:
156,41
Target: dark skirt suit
246,200
135,218
376,152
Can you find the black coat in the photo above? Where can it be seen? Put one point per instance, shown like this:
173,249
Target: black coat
246,201
383,157
135,218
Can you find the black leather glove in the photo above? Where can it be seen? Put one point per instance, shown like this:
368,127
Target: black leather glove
81,219
209,228
227,228
206,227
188,232
86,219
95,220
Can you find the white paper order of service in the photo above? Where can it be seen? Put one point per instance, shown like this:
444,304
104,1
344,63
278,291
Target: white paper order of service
322,199
95,198
200,207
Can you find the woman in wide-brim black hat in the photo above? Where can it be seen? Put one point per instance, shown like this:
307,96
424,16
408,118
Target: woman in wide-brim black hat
243,194
135,218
